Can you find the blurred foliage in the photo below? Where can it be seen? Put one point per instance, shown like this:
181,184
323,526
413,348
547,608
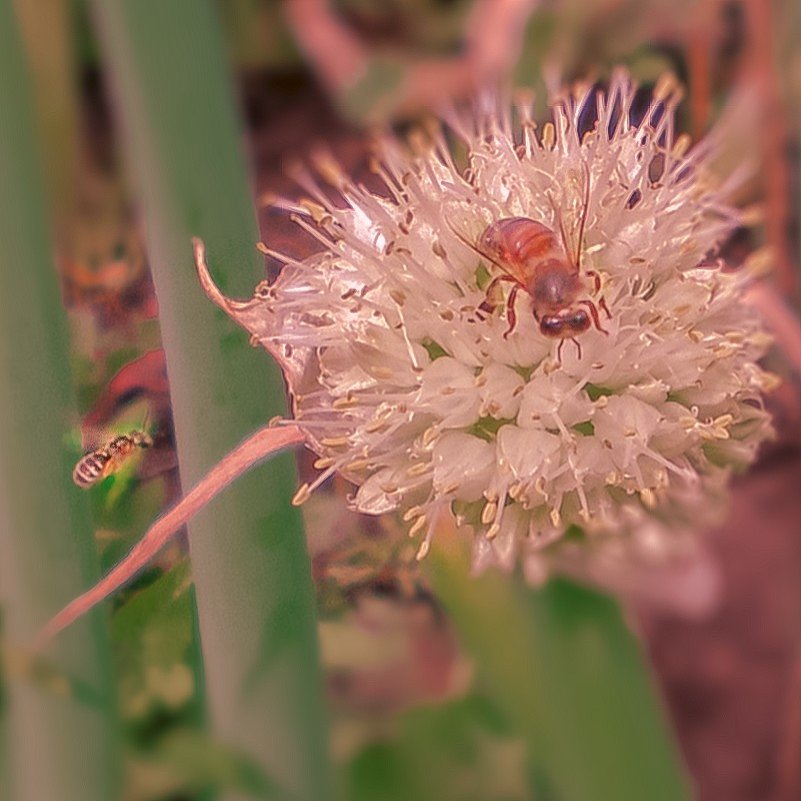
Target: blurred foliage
152,634
461,749
187,763
562,665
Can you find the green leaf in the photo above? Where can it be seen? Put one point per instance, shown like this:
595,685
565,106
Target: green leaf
47,549
253,583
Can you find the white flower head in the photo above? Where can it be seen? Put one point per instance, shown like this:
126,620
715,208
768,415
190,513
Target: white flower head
414,375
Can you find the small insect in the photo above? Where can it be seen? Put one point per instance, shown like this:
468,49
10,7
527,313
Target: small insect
97,464
535,258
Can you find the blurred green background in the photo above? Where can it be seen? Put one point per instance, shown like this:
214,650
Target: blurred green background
259,662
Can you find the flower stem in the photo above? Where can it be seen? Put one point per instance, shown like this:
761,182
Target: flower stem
254,592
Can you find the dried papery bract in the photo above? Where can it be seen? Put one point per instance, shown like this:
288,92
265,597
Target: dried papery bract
266,442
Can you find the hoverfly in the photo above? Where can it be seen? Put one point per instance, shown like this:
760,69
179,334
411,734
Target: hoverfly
536,260
94,466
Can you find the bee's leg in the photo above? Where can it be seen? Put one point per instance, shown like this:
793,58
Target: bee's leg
594,312
559,351
596,289
489,304
578,346
485,309
511,315
492,300
596,281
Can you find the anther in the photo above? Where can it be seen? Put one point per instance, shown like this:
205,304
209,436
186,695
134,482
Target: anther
345,403
334,442
648,498
516,489
430,435
422,552
381,372
418,525
302,495
375,425
412,512
418,469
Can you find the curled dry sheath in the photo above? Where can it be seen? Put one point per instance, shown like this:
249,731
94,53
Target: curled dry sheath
417,374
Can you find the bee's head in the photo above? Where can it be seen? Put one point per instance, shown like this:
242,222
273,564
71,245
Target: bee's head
565,323
142,439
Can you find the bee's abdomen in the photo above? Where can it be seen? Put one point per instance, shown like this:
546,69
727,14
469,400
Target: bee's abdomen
523,239
91,468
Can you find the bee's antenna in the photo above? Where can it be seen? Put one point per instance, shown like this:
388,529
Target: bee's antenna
584,213
575,257
558,215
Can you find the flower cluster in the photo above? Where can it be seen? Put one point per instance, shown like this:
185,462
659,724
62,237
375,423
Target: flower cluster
409,383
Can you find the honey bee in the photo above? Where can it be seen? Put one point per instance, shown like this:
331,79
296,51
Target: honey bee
97,464
535,259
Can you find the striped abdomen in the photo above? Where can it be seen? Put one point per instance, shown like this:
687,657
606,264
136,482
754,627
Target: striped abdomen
91,468
519,244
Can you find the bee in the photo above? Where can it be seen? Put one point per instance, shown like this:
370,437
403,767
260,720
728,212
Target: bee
535,259
97,464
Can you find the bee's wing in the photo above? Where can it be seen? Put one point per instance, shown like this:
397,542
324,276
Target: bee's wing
574,245
92,438
583,216
511,268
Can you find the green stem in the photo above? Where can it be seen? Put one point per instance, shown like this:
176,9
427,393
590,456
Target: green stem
254,591
60,746
571,678
49,47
